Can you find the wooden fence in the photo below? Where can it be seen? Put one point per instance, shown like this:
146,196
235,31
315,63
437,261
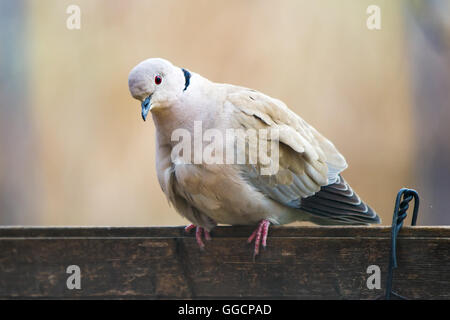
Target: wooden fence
166,263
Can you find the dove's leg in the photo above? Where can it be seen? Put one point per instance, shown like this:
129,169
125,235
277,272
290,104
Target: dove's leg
199,231
189,227
260,236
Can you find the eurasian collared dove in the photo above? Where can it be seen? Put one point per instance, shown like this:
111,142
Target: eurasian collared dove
306,185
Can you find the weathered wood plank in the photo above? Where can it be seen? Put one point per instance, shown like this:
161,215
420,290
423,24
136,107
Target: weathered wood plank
299,263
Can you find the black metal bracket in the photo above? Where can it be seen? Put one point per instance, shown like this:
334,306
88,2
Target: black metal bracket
402,201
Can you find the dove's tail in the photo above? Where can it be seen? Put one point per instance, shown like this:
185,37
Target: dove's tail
337,204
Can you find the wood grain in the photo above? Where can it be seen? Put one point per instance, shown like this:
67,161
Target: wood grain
155,263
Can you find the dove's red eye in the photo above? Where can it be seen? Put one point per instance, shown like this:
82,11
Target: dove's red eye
158,79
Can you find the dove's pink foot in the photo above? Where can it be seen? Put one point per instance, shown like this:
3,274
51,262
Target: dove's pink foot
199,231
260,236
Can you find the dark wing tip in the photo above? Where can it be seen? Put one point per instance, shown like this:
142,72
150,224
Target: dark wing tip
339,204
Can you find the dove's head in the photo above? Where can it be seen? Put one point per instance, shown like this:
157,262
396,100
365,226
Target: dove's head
156,83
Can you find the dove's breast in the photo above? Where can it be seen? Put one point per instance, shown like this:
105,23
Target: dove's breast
220,192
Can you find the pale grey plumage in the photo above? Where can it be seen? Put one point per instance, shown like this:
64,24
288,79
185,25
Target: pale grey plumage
307,187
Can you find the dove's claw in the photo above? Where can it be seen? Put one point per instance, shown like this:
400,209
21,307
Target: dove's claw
260,236
198,236
207,235
252,236
199,232
265,232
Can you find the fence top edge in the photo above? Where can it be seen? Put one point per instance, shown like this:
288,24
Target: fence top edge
220,232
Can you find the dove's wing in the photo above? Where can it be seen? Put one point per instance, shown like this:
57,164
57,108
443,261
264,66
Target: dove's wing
309,165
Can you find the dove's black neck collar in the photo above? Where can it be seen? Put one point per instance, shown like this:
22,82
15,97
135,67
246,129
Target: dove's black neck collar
187,78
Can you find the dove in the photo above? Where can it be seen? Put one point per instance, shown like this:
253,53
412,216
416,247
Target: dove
306,184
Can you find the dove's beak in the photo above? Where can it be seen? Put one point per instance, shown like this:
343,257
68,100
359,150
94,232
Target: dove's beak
145,107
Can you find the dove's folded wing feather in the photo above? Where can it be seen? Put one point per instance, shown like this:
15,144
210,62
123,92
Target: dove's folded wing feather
307,160
308,177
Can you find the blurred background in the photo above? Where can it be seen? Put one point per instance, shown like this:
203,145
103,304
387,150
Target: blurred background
75,151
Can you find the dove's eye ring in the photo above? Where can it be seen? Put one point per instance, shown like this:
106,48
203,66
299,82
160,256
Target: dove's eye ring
158,79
